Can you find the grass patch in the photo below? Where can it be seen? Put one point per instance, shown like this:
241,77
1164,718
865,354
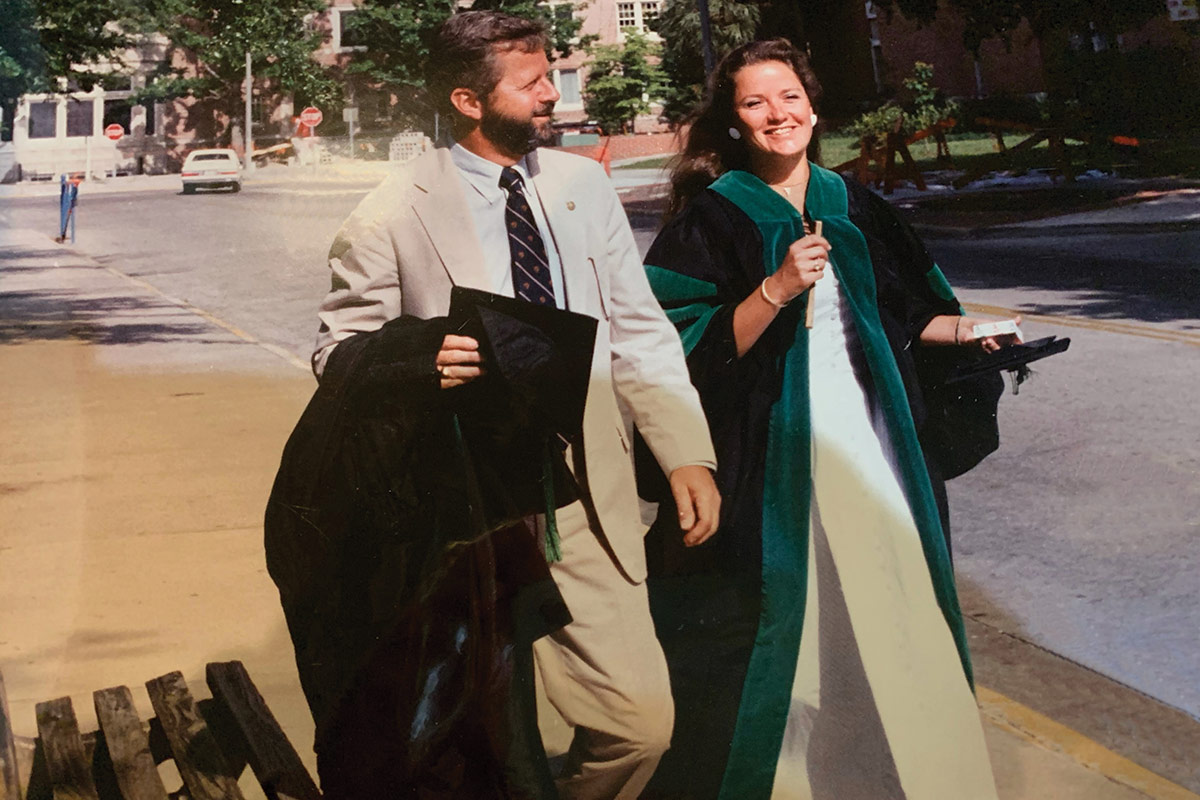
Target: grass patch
1178,156
973,152
657,162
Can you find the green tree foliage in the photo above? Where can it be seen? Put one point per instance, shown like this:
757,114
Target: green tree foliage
396,35
217,34
734,22
46,44
923,108
42,41
620,79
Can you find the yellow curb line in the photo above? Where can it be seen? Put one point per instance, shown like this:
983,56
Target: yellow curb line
215,320
1044,732
1129,329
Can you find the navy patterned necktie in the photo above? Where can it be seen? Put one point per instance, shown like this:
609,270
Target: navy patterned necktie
530,268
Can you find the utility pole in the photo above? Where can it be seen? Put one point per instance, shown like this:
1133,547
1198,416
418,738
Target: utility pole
710,59
249,115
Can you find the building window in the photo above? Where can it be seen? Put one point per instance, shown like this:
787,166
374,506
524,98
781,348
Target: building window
120,112
42,120
639,15
260,113
378,107
568,87
627,15
8,108
345,38
79,117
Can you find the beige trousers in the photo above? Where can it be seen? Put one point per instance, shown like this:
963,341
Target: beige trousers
605,673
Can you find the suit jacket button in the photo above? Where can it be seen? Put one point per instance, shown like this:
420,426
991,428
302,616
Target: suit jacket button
570,205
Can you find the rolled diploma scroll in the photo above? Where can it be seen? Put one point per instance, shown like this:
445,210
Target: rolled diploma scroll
812,297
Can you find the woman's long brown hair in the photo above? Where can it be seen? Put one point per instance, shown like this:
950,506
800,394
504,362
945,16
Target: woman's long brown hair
708,149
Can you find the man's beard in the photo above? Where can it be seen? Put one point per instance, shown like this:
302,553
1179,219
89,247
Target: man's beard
516,136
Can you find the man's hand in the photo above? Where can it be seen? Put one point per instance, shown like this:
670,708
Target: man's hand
698,501
458,361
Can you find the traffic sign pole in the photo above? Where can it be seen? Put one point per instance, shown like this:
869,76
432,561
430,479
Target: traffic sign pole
311,117
249,144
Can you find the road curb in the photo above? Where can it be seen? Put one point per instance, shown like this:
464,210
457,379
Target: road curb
1047,734
1046,231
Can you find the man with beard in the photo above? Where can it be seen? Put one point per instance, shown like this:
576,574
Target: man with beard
492,211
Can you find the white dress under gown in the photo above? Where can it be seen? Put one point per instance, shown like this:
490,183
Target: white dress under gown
880,707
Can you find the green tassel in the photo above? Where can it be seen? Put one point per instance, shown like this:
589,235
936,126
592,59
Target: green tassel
553,545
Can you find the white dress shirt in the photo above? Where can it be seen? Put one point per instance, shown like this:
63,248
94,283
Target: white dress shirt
486,202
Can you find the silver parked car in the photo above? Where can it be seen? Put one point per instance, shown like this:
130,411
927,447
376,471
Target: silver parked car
211,169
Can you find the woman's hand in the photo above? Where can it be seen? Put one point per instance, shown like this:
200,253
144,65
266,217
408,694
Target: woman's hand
989,344
802,267
952,329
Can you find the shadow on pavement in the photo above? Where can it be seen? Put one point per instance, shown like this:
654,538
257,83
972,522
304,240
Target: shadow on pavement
41,315
1093,276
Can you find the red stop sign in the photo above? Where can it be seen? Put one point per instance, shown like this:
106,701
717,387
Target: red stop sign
114,131
311,116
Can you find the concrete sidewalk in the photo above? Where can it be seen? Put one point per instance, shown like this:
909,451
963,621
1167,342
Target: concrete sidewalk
140,442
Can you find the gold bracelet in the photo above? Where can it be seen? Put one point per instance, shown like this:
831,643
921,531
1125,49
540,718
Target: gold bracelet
762,289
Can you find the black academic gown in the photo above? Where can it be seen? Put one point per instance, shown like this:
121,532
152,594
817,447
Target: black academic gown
412,613
707,601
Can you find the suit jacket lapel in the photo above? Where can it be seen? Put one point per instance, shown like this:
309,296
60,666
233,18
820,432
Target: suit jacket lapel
442,209
567,229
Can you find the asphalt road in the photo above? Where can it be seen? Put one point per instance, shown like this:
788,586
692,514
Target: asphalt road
1078,536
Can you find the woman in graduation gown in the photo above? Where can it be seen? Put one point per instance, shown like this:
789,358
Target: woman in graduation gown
816,645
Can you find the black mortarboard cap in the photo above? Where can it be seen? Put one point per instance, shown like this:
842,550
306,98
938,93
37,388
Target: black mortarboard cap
539,354
515,419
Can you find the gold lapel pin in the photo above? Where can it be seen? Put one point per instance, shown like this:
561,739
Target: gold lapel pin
570,205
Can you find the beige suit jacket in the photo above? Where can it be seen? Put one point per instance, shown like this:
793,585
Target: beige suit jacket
412,238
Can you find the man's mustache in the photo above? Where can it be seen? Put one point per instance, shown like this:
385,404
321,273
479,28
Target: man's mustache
544,110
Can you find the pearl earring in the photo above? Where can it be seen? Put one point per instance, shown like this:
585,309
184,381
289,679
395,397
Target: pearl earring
735,134
813,120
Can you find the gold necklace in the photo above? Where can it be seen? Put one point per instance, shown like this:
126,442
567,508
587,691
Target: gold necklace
786,188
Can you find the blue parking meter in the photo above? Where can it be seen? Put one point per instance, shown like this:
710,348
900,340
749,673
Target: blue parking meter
68,199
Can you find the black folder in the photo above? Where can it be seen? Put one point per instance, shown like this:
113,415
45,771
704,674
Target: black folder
1010,357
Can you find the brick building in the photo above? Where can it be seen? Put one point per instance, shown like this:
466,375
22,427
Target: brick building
873,52
607,20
